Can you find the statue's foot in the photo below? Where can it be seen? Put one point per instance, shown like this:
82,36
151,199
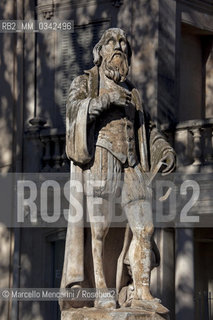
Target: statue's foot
153,305
148,297
106,303
143,293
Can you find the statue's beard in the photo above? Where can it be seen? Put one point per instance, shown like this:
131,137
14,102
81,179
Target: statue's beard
116,68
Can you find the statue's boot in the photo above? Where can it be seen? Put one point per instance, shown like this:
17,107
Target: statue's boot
140,220
105,300
150,305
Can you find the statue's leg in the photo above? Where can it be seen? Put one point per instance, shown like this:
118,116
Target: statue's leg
101,178
99,231
136,200
139,217
137,205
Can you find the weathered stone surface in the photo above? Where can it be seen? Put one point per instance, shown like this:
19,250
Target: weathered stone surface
110,138
119,314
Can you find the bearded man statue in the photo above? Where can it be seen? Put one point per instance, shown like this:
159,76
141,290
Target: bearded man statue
110,138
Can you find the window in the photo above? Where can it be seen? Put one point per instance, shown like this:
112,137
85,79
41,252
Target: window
196,87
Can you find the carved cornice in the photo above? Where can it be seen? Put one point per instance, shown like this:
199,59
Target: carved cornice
200,5
202,21
76,3
48,9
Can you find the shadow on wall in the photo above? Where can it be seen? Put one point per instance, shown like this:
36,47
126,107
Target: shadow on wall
184,278
8,111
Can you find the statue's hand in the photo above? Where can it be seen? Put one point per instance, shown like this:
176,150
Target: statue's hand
169,160
120,98
97,106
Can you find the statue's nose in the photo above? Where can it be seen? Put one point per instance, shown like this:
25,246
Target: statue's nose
117,46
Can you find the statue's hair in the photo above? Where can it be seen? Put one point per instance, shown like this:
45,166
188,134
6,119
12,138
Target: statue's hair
96,50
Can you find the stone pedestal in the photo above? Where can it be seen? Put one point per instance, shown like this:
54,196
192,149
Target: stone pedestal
118,314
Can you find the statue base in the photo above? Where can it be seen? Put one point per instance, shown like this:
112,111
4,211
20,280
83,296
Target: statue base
108,314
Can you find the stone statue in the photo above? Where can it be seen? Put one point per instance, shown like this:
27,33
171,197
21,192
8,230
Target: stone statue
111,138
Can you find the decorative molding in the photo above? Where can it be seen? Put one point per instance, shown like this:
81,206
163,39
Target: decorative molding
64,5
205,6
78,3
46,10
199,20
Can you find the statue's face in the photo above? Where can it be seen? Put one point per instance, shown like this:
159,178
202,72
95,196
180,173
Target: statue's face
114,44
114,56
